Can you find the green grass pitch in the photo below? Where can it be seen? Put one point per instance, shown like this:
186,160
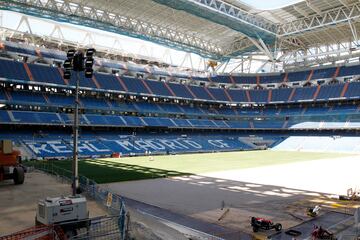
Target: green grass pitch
136,168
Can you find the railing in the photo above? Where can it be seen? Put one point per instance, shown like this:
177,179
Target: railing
106,227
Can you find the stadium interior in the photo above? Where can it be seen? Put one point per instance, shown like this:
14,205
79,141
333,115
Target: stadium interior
284,79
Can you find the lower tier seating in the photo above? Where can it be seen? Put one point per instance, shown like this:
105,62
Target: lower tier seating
91,144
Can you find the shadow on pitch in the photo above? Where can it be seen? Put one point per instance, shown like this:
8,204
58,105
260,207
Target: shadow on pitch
102,171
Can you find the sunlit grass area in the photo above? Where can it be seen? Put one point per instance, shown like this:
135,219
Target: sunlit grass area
136,168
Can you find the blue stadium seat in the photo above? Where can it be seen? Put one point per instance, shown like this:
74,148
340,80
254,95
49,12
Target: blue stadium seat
61,100
91,102
180,90
238,95
291,111
349,71
238,124
221,79
4,117
26,117
2,95
158,122
260,96
171,108
96,119
353,90
298,76
146,107
221,124
84,82
316,110
13,70
280,95
304,93
204,79
226,111
249,111
272,78
219,94
182,123
28,97
268,124
193,110
133,121
123,107
344,109
244,79
46,74
114,120
202,123
323,73
330,91
134,85
108,81
158,88
200,92
48,118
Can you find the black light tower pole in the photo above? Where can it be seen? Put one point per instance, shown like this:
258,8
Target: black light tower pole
76,62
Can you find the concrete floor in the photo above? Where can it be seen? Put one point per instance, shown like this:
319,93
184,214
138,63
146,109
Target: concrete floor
18,202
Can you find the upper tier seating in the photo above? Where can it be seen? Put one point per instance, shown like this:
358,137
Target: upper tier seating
108,81
12,70
305,93
134,85
330,91
158,88
46,74
349,71
281,94
323,73
244,79
272,78
180,90
263,78
260,96
353,90
298,76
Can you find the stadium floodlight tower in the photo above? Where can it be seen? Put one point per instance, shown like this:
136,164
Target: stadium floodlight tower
77,62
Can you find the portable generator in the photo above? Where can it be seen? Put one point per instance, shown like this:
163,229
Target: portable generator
70,213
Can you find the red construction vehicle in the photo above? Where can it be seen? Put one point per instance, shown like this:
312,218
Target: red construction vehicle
10,163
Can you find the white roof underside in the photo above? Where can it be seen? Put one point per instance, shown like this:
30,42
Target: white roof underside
222,36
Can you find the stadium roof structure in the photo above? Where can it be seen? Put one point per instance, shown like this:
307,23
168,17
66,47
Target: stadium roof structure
309,31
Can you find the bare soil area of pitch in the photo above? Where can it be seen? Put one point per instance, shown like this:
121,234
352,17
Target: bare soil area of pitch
279,192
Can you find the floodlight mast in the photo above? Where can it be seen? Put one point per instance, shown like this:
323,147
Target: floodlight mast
75,166
75,63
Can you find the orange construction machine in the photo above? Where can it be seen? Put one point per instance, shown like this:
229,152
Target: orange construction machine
10,163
